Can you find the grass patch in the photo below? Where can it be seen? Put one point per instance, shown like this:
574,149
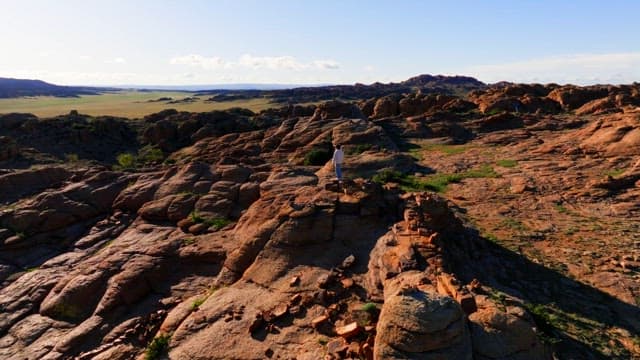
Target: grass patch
484,171
491,237
157,347
196,303
570,231
218,223
614,172
359,149
445,148
436,182
513,224
127,103
507,163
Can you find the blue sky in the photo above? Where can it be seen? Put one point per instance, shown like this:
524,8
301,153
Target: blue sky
163,42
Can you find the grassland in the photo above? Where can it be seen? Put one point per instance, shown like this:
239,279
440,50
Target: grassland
130,103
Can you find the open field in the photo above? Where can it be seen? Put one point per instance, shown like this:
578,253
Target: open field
131,104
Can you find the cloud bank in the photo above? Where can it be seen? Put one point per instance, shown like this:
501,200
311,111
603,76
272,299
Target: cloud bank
577,68
249,61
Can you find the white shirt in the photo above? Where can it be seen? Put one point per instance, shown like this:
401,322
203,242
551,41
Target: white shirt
338,156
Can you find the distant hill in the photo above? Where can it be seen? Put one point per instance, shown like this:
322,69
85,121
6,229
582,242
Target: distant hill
10,88
281,93
452,85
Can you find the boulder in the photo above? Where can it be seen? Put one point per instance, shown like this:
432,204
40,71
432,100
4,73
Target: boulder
504,333
571,97
418,325
385,107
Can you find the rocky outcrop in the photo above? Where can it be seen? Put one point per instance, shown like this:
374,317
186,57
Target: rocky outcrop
613,135
336,109
420,325
238,239
504,332
572,97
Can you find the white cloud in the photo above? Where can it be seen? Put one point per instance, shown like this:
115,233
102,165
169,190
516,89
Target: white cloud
326,64
254,62
577,68
194,60
118,60
369,68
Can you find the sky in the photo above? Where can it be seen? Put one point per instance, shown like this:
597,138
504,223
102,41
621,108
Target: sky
193,42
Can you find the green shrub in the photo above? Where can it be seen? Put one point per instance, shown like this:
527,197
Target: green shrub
72,158
369,307
150,155
317,157
388,175
126,161
359,149
196,304
218,223
157,347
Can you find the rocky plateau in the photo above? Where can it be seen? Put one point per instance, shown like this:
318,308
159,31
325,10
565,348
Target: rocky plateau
498,222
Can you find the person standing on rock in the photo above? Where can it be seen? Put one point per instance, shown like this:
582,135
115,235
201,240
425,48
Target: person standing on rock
338,157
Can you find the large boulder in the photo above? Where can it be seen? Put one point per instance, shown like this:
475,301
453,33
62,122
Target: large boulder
385,107
418,325
500,332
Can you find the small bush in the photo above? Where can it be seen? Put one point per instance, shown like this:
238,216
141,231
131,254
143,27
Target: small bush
72,158
150,155
157,347
369,307
317,157
126,161
388,175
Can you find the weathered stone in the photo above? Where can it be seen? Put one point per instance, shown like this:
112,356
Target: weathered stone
349,330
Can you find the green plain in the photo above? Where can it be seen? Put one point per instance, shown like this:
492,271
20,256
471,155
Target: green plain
126,103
